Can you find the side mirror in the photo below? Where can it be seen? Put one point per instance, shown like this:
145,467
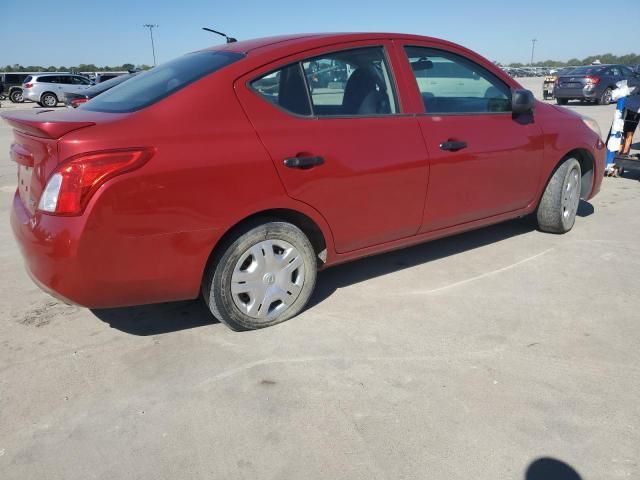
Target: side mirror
522,101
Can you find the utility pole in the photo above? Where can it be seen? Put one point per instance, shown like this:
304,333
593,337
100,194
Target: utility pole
533,46
151,26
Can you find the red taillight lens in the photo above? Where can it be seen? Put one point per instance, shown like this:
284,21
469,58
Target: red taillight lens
73,183
77,101
591,80
28,85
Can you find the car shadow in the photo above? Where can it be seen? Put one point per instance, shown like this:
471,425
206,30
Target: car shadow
159,318
162,318
585,209
365,269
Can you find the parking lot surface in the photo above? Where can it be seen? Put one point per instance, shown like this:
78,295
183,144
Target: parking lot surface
467,357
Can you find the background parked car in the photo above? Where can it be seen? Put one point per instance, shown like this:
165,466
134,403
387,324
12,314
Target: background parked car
592,82
75,99
47,89
12,85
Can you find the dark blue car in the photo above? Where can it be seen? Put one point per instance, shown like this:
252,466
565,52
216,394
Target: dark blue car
592,83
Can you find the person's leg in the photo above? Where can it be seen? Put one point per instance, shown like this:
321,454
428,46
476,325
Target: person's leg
630,125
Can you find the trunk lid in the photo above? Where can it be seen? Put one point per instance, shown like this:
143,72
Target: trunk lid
35,147
572,81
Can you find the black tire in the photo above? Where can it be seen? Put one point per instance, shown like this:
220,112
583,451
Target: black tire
558,206
562,101
15,96
605,98
48,99
217,283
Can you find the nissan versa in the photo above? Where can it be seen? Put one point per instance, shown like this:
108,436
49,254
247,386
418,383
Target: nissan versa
225,173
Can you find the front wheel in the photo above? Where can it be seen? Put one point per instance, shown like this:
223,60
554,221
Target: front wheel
262,276
559,204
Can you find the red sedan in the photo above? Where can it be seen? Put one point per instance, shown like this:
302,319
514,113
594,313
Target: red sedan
237,172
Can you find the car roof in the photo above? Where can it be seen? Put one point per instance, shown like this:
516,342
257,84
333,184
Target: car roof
311,40
55,73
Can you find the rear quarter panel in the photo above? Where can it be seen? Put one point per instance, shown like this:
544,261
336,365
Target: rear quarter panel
153,229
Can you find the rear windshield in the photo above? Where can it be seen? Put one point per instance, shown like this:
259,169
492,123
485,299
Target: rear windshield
160,82
584,71
28,79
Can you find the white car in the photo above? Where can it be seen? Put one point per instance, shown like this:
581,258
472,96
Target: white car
47,89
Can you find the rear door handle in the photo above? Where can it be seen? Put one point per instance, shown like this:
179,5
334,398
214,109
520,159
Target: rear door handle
303,162
453,146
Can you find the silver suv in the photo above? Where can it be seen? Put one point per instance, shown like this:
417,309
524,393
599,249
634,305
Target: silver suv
47,89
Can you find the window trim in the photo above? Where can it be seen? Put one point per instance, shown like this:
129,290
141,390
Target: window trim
454,114
313,116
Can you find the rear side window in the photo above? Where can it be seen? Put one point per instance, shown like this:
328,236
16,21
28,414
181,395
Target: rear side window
350,83
153,85
47,79
80,81
452,84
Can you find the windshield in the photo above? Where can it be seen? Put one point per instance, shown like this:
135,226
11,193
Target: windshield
160,82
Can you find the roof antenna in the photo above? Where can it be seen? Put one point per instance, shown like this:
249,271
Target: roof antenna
229,39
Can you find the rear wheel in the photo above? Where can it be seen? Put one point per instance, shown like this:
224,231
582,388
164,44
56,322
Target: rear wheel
49,100
605,98
16,96
559,204
562,101
263,276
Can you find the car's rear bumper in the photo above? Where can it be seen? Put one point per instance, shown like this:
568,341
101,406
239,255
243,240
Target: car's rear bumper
585,92
72,260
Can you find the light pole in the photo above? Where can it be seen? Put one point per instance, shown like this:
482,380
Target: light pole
533,46
151,26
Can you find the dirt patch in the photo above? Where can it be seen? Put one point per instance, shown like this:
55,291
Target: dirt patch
42,314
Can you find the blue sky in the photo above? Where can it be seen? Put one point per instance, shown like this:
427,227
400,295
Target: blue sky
110,32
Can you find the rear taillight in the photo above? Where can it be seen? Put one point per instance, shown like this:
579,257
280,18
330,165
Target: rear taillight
28,85
77,101
591,80
74,182
557,82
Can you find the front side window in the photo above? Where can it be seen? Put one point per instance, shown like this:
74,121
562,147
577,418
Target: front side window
345,83
452,84
160,82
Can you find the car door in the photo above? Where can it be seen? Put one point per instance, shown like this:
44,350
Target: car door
484,162
630,76
340,141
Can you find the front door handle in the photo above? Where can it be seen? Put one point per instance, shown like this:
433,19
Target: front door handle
303,162
453,146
